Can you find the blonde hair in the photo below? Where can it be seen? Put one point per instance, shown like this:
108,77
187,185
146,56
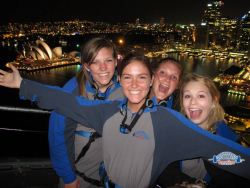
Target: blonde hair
217,112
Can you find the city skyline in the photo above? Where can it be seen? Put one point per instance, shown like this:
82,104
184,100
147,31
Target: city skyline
114,12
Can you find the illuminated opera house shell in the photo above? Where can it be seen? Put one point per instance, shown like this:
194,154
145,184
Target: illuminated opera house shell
43,52
40,56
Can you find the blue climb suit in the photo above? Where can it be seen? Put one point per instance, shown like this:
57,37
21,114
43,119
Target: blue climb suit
67,138
138,158
196,168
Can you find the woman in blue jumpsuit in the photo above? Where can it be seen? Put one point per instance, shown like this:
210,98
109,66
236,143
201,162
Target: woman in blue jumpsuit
139,136
200,102
167,76
95,81
199,99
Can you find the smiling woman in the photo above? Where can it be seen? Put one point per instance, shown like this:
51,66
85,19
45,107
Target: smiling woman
200,102
136,80
167,76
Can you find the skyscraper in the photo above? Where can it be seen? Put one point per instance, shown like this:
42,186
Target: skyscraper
244,44
212,13
211,20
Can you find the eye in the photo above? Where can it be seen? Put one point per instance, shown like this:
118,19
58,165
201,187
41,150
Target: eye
201,96
109,60
143,77
161,72
126,77
173,77
186,96
96,61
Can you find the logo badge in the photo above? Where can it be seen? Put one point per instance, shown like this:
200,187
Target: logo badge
141,135
226,158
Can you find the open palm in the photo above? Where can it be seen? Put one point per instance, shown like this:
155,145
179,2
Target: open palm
10,79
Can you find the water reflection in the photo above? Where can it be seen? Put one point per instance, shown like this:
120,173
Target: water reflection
233,99
56,76
209,66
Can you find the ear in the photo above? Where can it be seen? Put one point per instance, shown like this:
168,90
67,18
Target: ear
86,67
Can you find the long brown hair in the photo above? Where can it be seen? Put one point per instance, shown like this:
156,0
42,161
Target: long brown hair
88,53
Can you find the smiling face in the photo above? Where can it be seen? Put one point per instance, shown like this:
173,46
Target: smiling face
135,81
197,103
166,80
102,68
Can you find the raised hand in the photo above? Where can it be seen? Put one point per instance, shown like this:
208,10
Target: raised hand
10,79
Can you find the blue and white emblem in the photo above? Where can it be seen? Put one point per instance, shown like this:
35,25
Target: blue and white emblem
226,158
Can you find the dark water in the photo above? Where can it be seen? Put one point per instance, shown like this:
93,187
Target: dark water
26,134
31,138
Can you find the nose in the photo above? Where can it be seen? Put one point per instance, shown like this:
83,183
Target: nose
103,66
192,100
134,83
166,78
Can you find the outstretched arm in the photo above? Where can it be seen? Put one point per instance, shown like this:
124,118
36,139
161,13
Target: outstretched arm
10,79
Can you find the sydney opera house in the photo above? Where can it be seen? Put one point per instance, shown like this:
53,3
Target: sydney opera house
41,56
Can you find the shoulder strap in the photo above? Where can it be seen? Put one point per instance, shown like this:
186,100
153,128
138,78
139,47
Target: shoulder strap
82,153
86,147
90,180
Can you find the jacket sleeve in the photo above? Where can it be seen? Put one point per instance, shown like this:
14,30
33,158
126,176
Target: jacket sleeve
219,151
61,159
90,113
225,131
177,138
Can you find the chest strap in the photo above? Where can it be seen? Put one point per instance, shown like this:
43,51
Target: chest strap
92,136
90,180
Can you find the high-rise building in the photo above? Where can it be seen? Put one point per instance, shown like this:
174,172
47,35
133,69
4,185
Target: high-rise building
228,34
244,37
212,21
212,13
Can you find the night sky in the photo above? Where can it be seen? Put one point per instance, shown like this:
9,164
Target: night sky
114,11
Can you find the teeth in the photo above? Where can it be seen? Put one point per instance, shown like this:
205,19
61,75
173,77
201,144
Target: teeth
134,92
163,85
194,109
103,74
